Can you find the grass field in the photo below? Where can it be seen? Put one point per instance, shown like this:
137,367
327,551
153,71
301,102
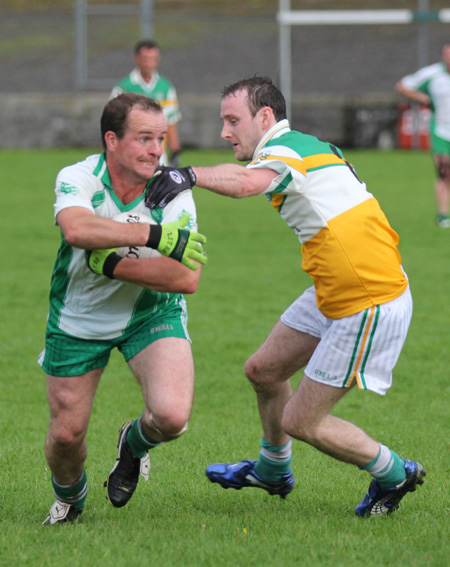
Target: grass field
178,519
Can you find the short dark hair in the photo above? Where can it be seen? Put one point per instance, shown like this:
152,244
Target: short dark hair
116,111
261,92
145,44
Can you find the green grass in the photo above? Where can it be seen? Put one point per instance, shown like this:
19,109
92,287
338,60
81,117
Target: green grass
178,518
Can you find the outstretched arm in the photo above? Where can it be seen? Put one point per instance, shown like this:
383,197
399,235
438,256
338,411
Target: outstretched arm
234,180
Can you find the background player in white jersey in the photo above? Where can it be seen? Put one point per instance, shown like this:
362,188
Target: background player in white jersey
346,330
100,300
146,80
431,86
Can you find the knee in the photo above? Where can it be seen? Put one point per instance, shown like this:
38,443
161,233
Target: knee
443,168
65,439
169,426
254,372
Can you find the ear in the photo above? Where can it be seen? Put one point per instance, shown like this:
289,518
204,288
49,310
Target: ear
111,140
267,117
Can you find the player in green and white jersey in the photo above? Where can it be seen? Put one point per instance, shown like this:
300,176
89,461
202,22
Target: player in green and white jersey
146,80
100,300
431,86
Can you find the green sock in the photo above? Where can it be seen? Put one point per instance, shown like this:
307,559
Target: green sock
138,441
274,462
387,468
72,493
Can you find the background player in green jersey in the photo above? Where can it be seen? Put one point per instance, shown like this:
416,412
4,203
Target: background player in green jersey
346,330
431,86
100,301
146,80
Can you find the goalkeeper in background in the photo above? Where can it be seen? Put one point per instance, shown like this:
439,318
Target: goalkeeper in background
100,301
144,79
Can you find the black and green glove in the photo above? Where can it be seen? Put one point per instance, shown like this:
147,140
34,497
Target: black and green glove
177,242
103,262
167,184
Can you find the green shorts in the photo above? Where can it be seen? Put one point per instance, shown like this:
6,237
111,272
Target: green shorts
439,145
66,355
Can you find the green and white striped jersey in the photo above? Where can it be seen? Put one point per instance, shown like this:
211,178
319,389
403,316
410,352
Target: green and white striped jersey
82,303
434,80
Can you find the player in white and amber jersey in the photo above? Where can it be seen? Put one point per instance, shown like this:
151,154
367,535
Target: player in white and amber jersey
347,329
319,195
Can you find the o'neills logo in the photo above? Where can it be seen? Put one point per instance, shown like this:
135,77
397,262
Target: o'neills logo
176,176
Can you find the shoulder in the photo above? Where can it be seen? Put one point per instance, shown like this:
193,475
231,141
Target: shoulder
128,82
80,172
295,142
164,83
425,74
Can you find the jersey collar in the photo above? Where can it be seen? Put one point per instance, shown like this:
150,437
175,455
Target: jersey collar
137,79
101,171
280,128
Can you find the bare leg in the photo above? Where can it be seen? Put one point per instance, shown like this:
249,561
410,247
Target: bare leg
307,418
442,190
442,185
282,354
165,370
70,400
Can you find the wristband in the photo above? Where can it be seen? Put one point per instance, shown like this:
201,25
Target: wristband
155,236
110,264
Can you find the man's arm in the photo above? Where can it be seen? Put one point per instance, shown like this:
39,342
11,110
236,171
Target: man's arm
83,229
417,96
173,140
234,180
158,274
228,179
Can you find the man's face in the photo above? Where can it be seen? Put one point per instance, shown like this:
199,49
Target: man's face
147,60
240,128
137,154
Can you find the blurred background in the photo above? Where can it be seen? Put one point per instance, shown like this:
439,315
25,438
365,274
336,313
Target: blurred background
59,60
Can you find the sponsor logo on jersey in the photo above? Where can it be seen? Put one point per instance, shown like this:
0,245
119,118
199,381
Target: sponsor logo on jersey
262,156
68,189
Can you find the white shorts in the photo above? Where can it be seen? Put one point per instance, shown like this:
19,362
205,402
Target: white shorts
364,347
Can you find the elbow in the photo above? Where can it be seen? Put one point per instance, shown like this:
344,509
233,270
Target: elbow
72,237
190,287
245,190
399,88
189,290
190,283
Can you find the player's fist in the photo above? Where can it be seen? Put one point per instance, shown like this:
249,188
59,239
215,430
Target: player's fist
103,262
168,183
179,243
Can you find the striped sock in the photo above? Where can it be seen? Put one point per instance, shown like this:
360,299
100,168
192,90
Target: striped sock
273,461
75,493
138,441
387,468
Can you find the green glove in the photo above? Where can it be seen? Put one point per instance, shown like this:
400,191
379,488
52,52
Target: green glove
103,262
176,242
